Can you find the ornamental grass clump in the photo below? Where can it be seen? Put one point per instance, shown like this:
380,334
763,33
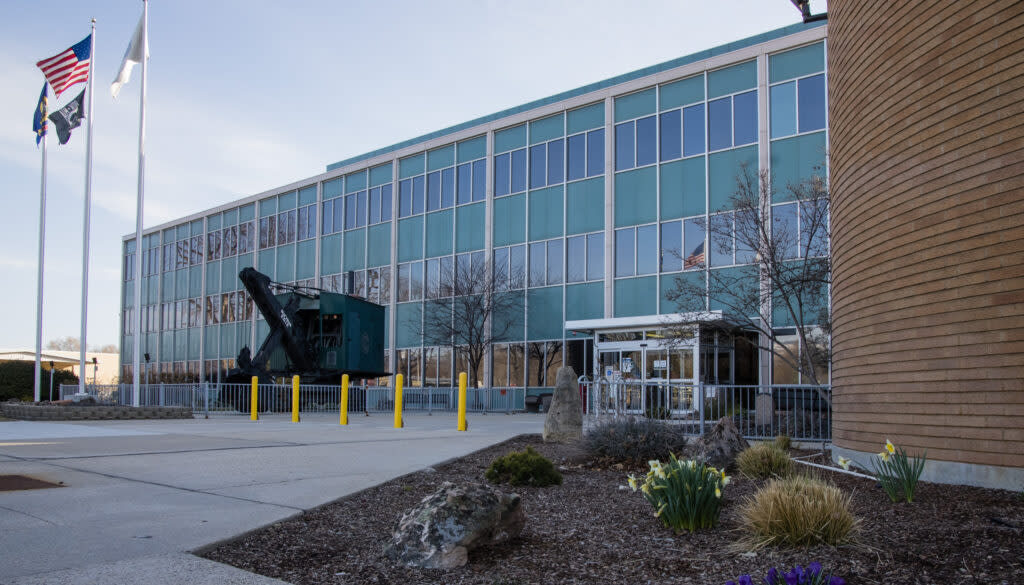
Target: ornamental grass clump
764,460
686,495
633,441
797,576
798,511
524,468
897,473
783,442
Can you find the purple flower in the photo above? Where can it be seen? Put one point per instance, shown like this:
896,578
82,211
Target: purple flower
730,583
773,577
814,569
746,580
836,581
792,578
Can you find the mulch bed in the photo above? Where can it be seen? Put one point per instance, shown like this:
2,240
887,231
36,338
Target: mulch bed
590,530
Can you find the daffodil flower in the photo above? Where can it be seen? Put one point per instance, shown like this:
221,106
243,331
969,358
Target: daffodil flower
844,463
884,455
890,447
632,482
718,492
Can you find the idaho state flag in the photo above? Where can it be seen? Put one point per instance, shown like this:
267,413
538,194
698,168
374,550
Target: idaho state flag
39,119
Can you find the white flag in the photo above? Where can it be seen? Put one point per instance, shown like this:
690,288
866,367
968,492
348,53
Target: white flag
132,57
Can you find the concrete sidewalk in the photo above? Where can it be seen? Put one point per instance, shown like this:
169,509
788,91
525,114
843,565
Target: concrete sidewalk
136,496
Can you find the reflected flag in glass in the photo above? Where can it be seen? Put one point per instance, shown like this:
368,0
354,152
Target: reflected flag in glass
695,259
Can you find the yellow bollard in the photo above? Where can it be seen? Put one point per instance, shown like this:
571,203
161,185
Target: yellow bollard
295,399
254,400
399,423
343,417
462,401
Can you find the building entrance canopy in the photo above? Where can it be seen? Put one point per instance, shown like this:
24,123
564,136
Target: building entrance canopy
655,348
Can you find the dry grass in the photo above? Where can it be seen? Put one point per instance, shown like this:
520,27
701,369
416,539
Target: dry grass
764,460
798,511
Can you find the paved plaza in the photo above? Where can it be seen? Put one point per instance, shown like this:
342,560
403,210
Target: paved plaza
137,496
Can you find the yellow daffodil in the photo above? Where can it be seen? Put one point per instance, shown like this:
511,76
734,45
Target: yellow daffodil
725,480
654,464
844,463
884,455
718,492
890,447
632,482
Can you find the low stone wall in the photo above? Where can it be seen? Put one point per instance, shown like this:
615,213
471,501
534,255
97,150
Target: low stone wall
25,411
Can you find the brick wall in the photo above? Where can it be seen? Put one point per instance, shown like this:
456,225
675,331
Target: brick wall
926,108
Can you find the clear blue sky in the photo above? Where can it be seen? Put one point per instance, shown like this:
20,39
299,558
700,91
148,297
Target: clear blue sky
246,96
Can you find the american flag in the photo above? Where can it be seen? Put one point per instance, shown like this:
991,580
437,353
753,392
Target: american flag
695,259
68,67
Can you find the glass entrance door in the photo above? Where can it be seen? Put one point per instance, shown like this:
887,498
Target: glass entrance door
649,377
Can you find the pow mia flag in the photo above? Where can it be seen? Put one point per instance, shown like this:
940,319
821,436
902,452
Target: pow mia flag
69,117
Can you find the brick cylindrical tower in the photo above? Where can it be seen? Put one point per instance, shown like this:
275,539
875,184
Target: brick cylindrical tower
926,112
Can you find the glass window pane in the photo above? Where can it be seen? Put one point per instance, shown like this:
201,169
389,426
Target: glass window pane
502,174
812,103
647,249
646,141
782,100
555,262
373,285
434,191
350,211
577,156
374,205
385,285
415,281
433,278
595,256
720,124
538,161
403,283
517,266
625,151
464,190
447,188
576,259
447,276
479,180
405,198
538,270
418,194
671,135
784,229
518,170
385,202
671,246
556,162
361,209
693,130
693,244
744,108
500,268
624,252
595,152
814,228
721,240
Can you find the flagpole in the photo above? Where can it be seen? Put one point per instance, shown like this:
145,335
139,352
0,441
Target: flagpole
39,277
137,341
90,114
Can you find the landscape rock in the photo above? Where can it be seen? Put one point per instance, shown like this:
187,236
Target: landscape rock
720,445
440,532
564,420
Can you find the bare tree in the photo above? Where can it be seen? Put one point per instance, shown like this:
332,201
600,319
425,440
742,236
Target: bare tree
783,270
108,348
469,306
68,343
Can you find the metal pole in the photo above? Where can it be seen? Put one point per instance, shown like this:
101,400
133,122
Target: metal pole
88,204
39,279
138,215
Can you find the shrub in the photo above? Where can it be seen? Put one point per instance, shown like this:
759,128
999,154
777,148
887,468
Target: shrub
798,511
524,468
687,495
635,441
784,442
17,380
764,460
897,473
812,576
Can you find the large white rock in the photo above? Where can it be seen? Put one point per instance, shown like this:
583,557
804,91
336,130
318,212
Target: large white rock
446,525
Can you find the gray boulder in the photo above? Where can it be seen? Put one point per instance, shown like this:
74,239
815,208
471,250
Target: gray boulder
440,531
564,421
720,445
